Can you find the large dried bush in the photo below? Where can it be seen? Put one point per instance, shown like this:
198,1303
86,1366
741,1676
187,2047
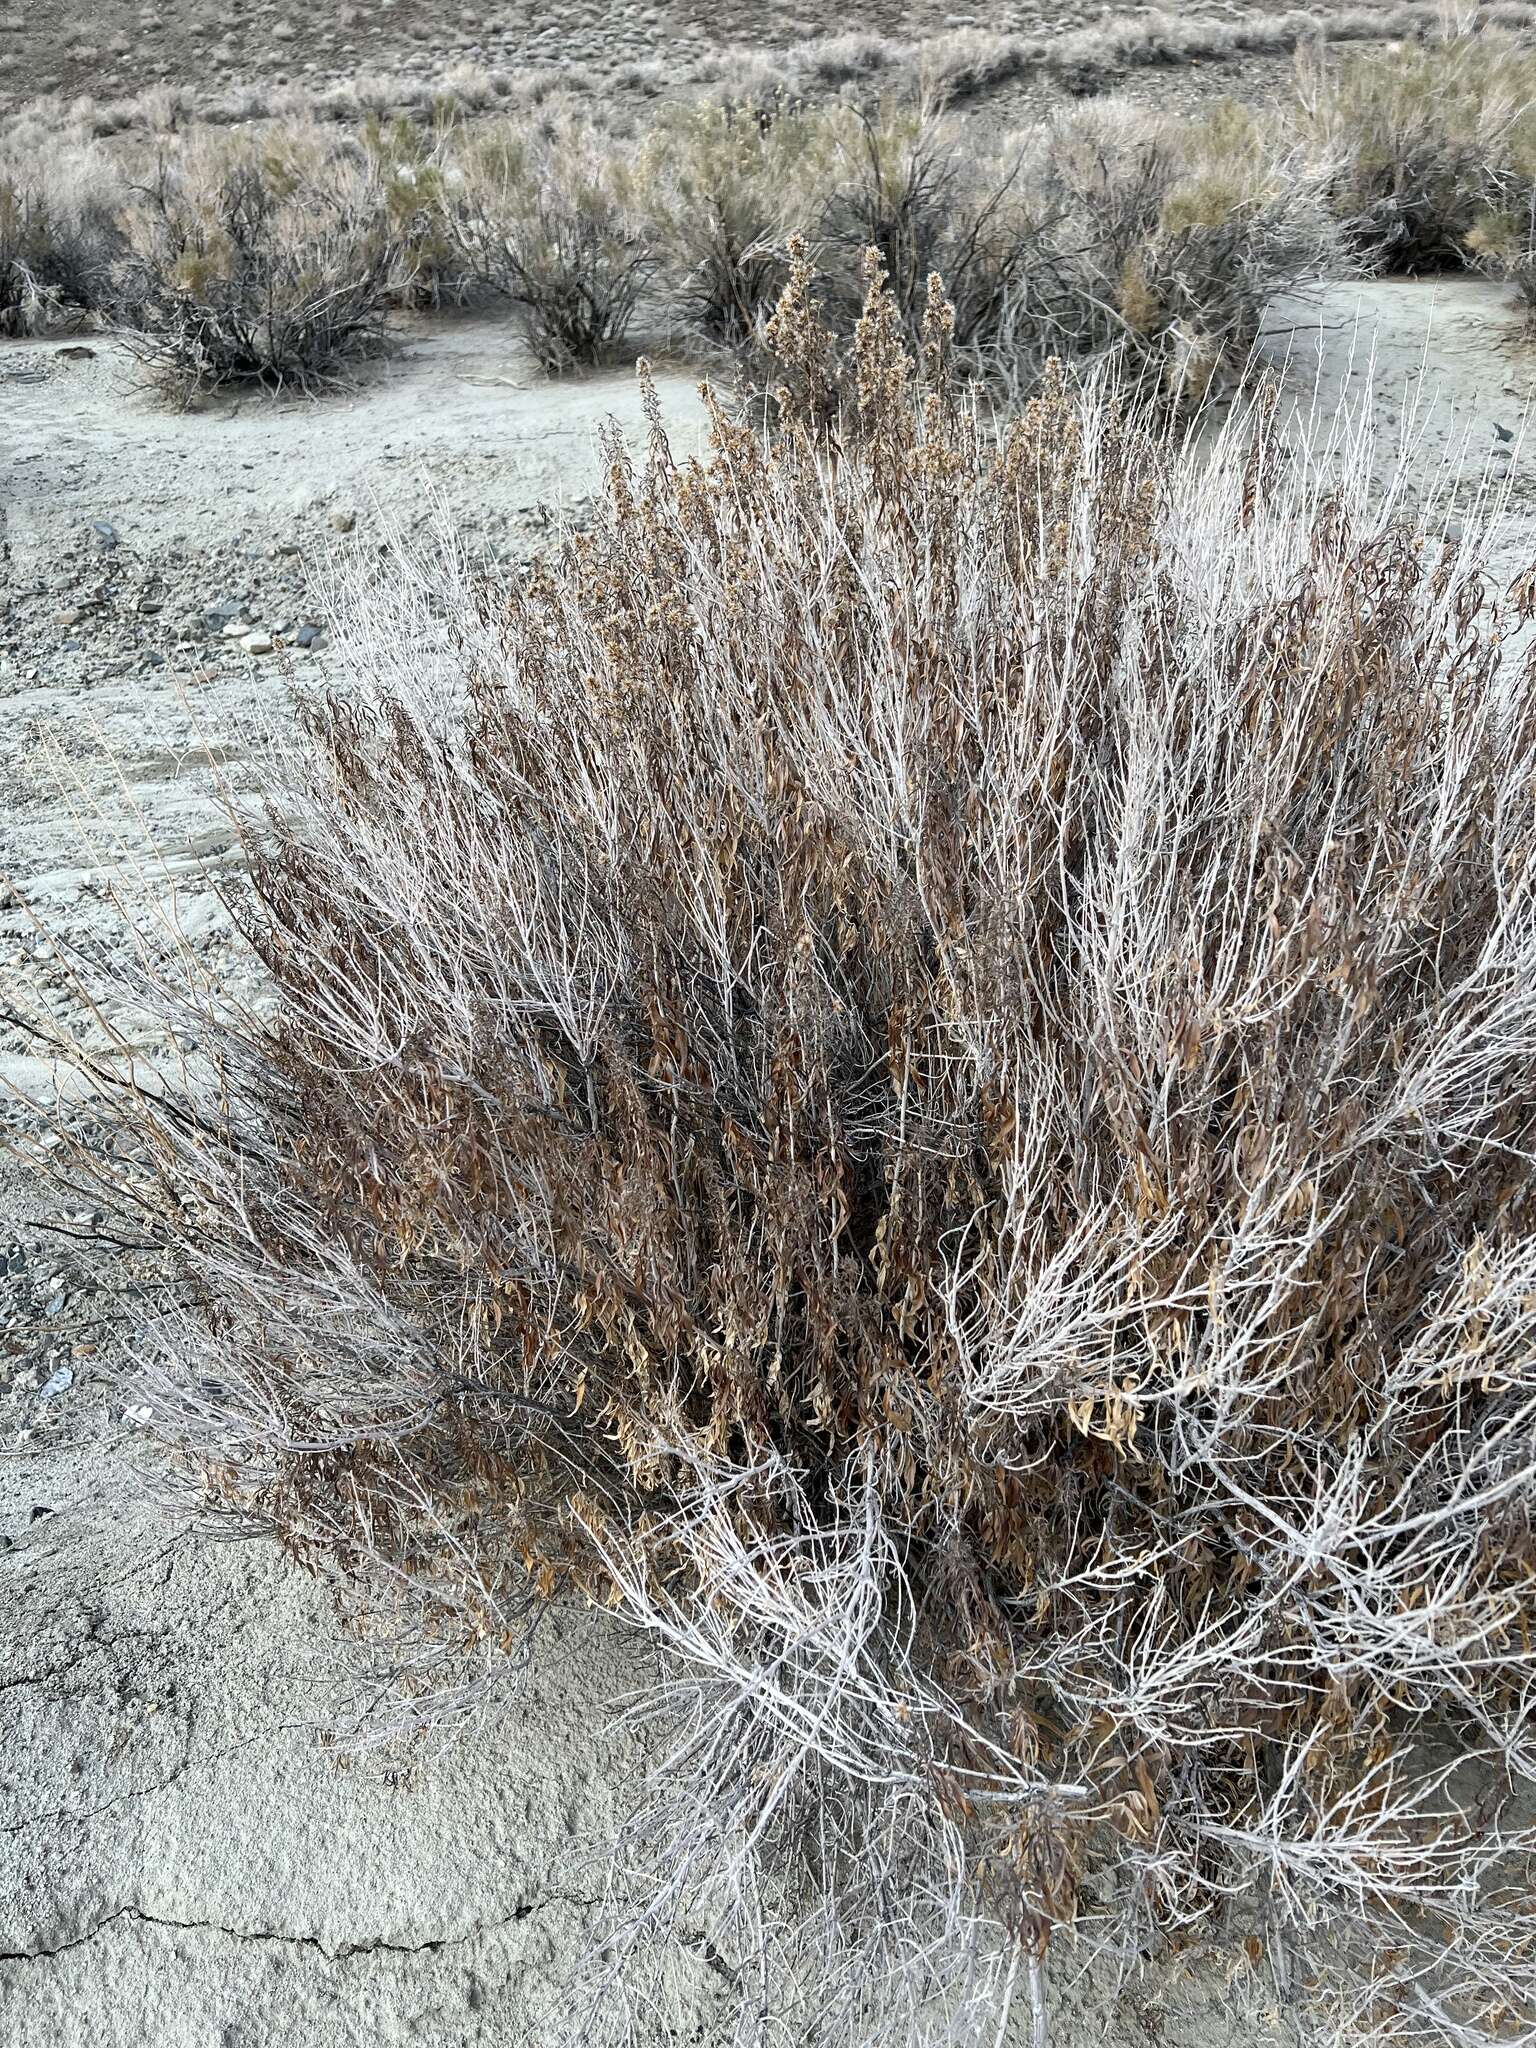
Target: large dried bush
915,1061
266,263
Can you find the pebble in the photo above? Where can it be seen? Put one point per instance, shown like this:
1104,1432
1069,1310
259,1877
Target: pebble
58,1382
257,643
343,521
105,532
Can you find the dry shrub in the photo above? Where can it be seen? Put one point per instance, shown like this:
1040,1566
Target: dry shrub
721,186
1109,234
831,63
963,63
1431,149
910,187
1171,238
411,166
544,214
263,263
58,231
915,1061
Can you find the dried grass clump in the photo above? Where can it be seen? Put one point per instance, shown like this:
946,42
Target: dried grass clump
544,214
915,1062
267,262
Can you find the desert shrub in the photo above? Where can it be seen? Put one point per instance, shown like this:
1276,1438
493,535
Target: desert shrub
1431,148
543,212
915,1061
417,181
908,187
965,62
1176,236
721,185
249,265
58,234
830,63
1108,234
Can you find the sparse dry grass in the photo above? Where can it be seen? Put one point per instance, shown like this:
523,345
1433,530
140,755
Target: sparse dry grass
916,1062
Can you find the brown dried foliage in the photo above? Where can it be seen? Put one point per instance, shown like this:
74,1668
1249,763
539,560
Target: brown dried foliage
916,1061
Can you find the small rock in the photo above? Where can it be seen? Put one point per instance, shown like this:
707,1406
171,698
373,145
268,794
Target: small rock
257,643
307,636
105,532
58,1382
343,521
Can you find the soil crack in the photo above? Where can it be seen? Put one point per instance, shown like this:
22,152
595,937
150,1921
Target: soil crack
379,1945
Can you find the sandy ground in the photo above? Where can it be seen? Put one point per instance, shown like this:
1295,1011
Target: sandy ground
184,1863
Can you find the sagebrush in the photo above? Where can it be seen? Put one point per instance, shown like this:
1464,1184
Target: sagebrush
1104,233
1431,151
915,1062
251,266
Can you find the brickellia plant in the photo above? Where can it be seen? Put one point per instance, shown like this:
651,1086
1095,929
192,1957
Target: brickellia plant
914,1062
